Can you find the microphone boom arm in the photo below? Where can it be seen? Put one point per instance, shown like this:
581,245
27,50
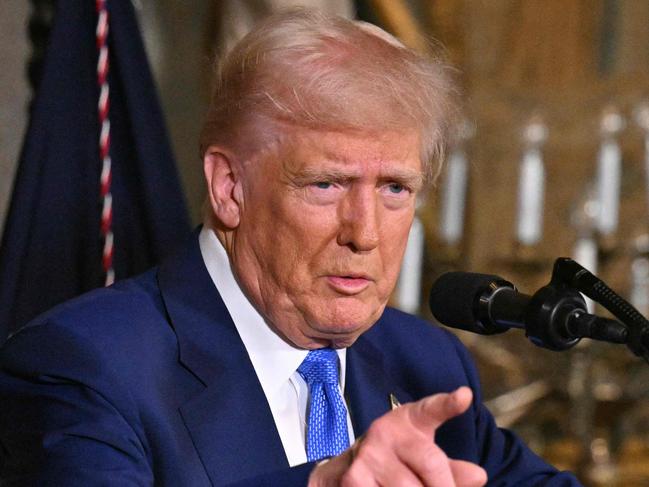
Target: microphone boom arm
567,272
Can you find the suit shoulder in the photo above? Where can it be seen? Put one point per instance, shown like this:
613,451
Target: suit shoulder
109,325
127,304
416,347
404,326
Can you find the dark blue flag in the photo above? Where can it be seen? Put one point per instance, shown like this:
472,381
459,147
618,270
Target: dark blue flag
52,244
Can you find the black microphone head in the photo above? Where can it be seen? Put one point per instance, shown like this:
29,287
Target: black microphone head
454,300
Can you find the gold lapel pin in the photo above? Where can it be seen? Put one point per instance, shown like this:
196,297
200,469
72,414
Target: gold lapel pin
394,402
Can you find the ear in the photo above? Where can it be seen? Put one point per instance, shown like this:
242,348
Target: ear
223,186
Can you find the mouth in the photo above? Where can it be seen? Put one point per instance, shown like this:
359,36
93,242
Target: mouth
349,284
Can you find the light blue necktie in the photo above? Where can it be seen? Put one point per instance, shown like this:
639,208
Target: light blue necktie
326,429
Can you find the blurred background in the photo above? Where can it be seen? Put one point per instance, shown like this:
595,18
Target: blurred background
552,162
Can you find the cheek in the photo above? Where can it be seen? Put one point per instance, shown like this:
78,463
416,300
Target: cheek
297,238
393,245
308,228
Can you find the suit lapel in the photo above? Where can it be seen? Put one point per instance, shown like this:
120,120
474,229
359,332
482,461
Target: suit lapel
235,436
369,384
229,420
232,429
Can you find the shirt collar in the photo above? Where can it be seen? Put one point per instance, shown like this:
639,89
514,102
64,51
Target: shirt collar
274,360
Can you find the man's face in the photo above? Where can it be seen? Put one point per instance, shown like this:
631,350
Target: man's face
324,225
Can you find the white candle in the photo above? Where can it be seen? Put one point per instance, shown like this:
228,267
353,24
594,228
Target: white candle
608,186
585,253
640,285
409,284
609,173
531,189
646,167
531,185
641,114
453,198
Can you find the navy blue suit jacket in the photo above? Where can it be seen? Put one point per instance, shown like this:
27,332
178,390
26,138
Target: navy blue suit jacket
148,382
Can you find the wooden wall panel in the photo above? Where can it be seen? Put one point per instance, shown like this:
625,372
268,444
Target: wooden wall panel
565,61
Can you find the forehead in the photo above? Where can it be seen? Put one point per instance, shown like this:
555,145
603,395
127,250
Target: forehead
360,151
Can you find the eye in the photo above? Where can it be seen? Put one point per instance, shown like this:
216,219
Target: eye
396,188
323,192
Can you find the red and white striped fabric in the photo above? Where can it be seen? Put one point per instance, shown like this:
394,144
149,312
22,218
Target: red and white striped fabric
104,141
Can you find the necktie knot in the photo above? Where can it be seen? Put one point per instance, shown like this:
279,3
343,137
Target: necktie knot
320,366
326,429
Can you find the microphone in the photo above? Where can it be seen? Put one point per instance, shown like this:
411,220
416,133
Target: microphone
554,317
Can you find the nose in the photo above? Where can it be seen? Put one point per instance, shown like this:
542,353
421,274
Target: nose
359,220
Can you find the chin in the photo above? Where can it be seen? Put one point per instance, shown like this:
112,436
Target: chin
338,329
338,321
335,339
350,322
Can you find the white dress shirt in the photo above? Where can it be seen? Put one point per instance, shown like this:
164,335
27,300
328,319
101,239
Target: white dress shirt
274,360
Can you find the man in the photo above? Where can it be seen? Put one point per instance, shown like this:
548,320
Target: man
263,354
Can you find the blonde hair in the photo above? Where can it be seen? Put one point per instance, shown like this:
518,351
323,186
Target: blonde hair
320,71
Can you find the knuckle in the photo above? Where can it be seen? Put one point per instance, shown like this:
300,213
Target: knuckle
436,464
367,455
409,482
379,431
352,478
421,441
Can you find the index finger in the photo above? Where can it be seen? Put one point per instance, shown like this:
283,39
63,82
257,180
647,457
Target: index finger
430,413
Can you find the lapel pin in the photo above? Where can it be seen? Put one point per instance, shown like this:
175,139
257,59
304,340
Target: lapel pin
394,402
